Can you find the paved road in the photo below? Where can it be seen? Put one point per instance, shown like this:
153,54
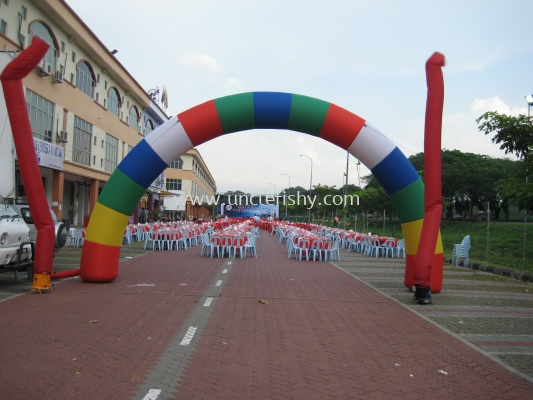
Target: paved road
177,325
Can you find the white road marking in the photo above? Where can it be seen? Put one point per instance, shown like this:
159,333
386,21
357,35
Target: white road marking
152,394
188,336
225,271
208,302
229,262
218,283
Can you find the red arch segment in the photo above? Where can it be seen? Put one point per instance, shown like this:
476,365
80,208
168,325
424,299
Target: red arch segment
201,122
341,127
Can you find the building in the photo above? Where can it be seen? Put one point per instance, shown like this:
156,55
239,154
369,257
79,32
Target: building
189,177
80,99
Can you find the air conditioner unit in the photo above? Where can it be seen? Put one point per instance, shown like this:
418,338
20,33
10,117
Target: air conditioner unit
57,77
40,65
46,70
62,137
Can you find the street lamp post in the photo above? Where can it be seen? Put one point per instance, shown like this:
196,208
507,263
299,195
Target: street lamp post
357,164
275,192
310,182
346,187
529,99
286,215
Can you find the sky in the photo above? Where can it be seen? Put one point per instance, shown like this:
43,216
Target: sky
365,56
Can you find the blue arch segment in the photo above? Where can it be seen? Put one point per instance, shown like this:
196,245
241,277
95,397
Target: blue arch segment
395,172
142,164
272,110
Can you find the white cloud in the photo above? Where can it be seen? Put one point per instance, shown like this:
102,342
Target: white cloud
460,132
233,82
481,106
199,60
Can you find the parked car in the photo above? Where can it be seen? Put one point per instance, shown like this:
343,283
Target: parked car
60,228
14,239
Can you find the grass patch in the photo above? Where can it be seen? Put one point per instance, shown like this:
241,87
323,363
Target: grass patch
501,244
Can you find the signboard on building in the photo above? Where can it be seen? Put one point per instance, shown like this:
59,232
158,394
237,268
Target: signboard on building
48,155
249,211
176,200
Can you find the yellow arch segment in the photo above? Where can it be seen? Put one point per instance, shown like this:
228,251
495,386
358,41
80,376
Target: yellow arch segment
106,226
411,233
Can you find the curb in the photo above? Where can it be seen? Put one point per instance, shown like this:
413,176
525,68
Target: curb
521,276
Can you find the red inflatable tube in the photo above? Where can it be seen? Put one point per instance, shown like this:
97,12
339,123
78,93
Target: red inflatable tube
425,253
65,274
11,79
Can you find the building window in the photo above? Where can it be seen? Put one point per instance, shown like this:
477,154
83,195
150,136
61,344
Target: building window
84,79
178,164
23,12
111,153
113,103
6,2
3,27
149,127
173,184
41,113
81,148
62,47
134,118
42,32
73,57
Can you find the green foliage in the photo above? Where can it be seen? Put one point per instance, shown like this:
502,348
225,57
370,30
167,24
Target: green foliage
514,135
470,179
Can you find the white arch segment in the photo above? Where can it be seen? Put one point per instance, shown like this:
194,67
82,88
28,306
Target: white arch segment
370,146
169,140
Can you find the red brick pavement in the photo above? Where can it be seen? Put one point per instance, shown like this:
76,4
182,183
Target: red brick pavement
322,334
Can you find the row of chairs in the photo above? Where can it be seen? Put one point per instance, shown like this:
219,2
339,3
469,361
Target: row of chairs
163,240
77,237
372,247
229,246
326,250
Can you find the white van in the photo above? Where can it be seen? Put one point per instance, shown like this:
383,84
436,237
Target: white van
60,228
14,238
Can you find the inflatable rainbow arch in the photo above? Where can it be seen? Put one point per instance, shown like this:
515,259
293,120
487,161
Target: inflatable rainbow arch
240,112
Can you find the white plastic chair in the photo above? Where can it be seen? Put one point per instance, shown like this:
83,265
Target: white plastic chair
291,247
303,245
373,246
79,237
318,247
335,252
204,241
400,248
461,251
128,238
238,244
214,244
388,247
250,246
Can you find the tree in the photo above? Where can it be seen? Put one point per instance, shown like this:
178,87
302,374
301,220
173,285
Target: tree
470,179
514,135
374,198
